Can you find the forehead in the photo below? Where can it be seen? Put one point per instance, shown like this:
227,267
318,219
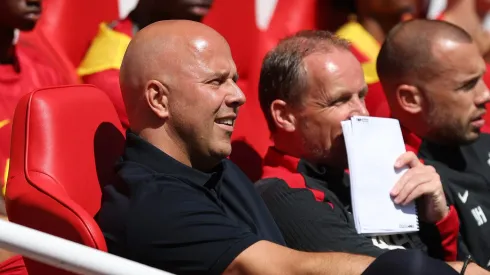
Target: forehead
210,56
334,71
458,59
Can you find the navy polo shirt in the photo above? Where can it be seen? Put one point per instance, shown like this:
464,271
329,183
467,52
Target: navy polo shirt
165,214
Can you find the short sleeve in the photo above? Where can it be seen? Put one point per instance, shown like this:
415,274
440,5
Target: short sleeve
310,225
178,228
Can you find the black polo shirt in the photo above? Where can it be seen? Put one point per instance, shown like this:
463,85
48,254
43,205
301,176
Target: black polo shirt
170,216
311,205
465,174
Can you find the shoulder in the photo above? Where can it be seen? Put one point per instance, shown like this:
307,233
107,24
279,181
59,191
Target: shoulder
37,66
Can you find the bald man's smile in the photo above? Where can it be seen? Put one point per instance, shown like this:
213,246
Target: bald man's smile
227,122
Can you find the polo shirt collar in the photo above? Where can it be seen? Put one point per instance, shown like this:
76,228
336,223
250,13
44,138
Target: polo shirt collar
412,141
140,151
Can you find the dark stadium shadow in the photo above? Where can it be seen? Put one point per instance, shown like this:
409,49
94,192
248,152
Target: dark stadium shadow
108,147
247,159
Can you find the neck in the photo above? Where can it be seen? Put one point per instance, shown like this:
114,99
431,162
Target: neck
7,55
293,146
282,142
169,143
413,124
162,140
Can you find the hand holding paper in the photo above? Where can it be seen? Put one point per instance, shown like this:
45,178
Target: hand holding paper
420,182
373,146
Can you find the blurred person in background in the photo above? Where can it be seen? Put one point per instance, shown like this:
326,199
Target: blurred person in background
22,70
439,97
101,64
469,14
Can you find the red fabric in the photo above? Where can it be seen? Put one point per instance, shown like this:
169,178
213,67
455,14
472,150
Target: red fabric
412,141
70,25
62,152
284,167
13,266
108,80
34,74
449,230
56,59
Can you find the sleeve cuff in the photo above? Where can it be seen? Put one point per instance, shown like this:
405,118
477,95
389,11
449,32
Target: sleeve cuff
448,229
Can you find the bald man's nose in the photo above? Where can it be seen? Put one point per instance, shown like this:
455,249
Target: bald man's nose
360,108
484,96
235,96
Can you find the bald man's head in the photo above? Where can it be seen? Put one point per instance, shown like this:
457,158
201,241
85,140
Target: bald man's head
158,52
408,53
431,72
178,84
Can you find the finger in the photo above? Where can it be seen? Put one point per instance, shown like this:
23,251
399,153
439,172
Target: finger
407,159
412,184
412,172
420,190
401,182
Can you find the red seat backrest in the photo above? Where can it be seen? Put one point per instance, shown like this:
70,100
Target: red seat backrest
65,141
70,26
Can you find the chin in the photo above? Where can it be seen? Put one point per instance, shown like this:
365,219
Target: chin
221,152
472,137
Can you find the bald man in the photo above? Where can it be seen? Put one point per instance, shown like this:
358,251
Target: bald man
432,72
181,206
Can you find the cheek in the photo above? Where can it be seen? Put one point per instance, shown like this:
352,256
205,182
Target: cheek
328,125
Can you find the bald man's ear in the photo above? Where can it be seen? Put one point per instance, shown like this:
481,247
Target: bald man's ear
282,116
156,95
409,98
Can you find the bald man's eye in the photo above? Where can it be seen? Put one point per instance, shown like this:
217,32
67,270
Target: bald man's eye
216,82
469,85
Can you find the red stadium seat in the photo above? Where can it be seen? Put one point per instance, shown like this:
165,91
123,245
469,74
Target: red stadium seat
65,141
13,266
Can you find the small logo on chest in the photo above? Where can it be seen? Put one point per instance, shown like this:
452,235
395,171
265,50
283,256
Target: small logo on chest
463,197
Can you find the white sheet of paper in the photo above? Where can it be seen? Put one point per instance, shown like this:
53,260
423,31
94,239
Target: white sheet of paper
373,144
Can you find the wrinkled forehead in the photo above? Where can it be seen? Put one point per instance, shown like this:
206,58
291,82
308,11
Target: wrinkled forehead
338,70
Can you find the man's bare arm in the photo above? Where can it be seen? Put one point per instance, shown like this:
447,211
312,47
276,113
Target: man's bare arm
265,257
471,269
